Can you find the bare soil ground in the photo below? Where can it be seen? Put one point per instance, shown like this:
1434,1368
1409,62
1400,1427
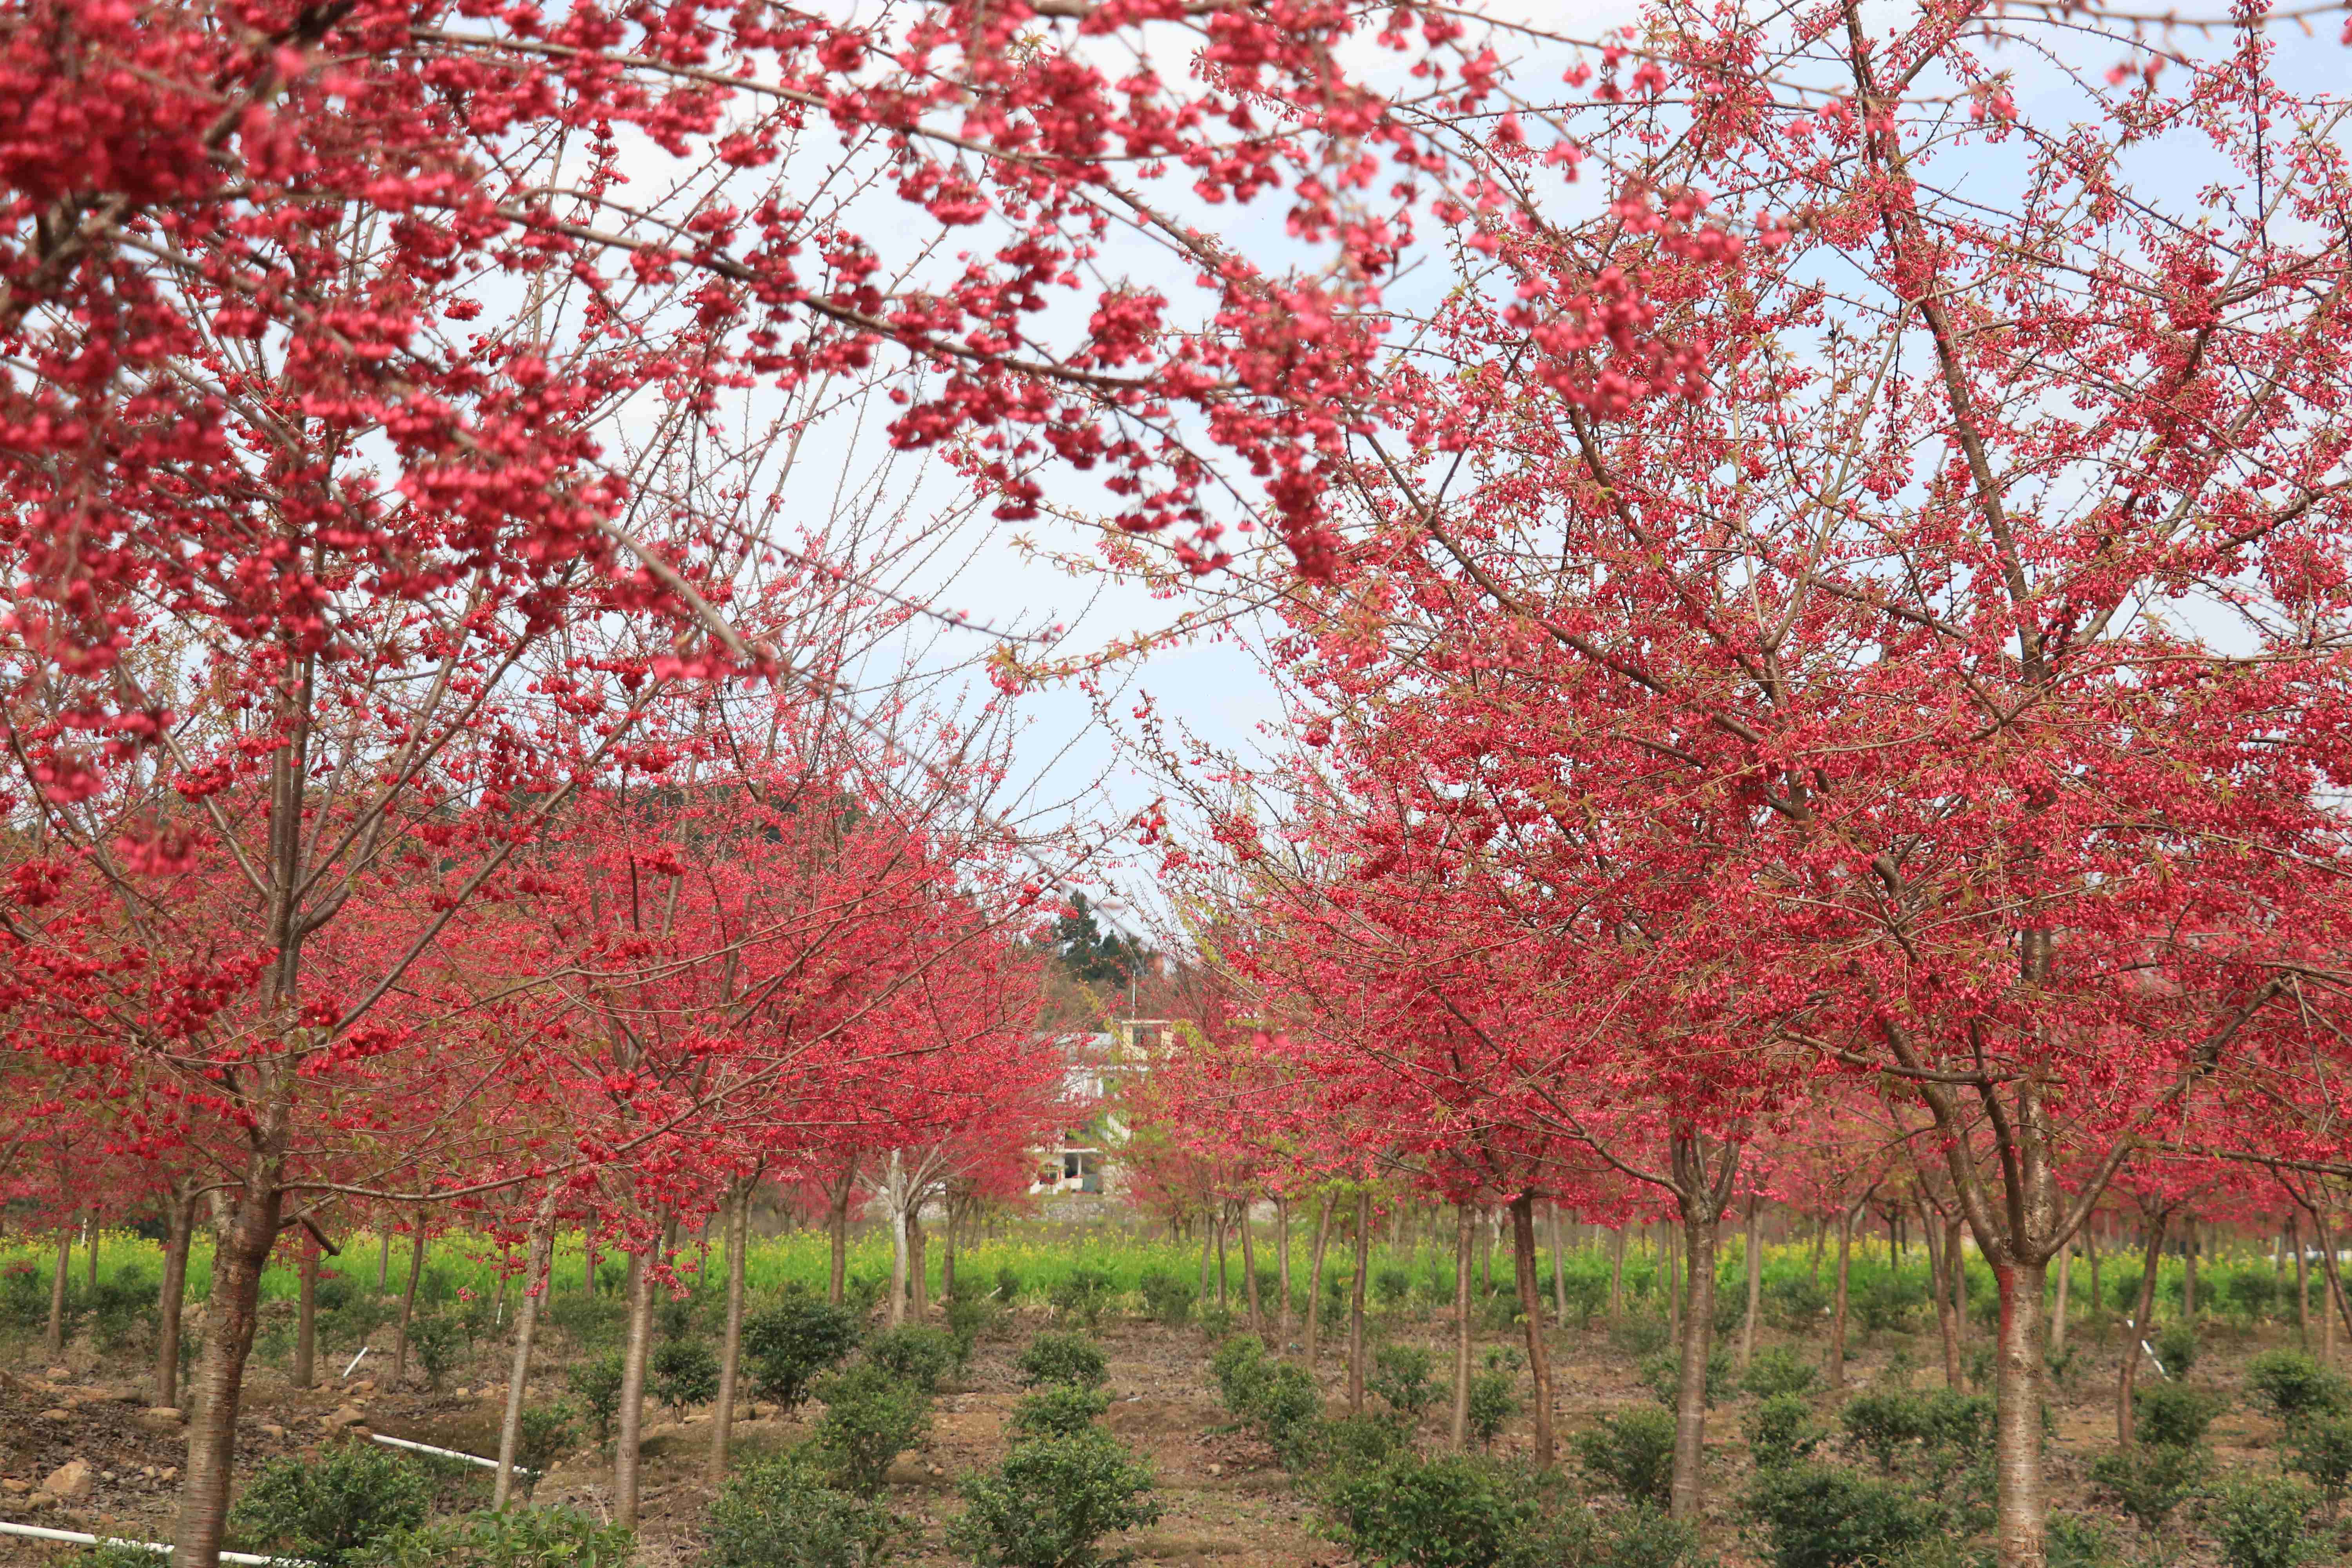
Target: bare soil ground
1226,1501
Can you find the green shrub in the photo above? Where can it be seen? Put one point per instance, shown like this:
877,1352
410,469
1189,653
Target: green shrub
2290,1385
1391,1289
1058,1409
123,1310
779,1513
545,1433
115,1554
1498,1309
1008,1285
1795,1300
1404,1376
1779,1370
1822,1516
598,1385
1277,1401
1639,1338
1217,1323
1646,1538
2176,1348
1063,1358
2149,1481
2260,1521
1587,1294
914,1352
2320,1447
325,1510
2074,1541
519,1537
863,1292
1169,1298
2250,1292
1884,1301
1633,1452
1237,1366
439,1341
1455,1511
1083,1296
969,1317
2173,1413
1493,1400
870,1418
788,1346
1955,1428
1282,1410
1942,1552
1782,1431
1051,1502
1359,1442
679,1312
591,1321
685,1372
1663,1374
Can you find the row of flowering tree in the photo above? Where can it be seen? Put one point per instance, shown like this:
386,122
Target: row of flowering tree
1864,487
1897,659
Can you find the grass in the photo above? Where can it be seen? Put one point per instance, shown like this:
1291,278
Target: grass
462,1267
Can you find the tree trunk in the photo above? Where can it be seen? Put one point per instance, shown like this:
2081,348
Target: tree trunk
837,1227
1820,1236
1939,1289
2302,1283
383,1261
1282,1269
1249,1272
2136,1331
1685,1496
240,1251
1523,1260
919,1266
1558,1267
1838,1305
1956,1258
2064,1264
2188,1274
730,1343
1355,1303
2017,1416
1752,1243
894,1197
1315,1280
2091,1255
539,1277
407,1305
947,1249
54,1341
171,1298
1208,1240
1223,1296
1458,1430
90,1247
633,1392
1673,1258
306,1315
2332,1281
1616,1274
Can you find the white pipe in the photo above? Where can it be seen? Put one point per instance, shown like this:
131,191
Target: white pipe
355,1362
444,1453
77,1538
